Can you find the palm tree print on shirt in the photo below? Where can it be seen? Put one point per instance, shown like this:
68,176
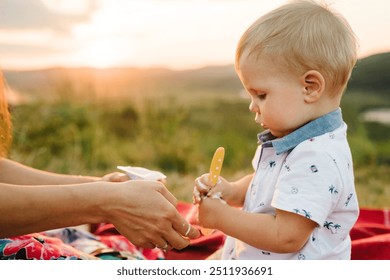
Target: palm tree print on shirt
333,189
348,199
332,227
303,212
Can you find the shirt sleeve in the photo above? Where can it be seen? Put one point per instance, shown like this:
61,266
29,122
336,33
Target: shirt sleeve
305,184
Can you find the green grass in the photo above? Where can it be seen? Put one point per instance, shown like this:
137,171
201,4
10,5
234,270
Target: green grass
178,136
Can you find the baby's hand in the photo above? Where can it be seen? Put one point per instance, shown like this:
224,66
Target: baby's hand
203,188
223,191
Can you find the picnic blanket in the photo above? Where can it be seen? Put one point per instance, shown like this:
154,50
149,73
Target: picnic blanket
371,235
370,241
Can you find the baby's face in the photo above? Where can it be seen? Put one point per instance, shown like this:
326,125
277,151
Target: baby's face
277,94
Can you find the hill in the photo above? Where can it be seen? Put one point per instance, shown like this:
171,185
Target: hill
120,82
370,74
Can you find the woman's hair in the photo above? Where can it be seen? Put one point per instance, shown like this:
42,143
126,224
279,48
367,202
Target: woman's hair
304,35
5,122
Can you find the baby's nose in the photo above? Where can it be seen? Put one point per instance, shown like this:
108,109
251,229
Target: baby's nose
253,108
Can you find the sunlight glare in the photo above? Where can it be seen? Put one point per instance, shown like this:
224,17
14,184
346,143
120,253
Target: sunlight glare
68,6
100,54
100,42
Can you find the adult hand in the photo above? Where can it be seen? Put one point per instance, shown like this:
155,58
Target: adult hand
115,177
121,177
145,213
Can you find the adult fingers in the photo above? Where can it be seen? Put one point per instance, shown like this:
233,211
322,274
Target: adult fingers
192,232
176,237
184,228
166,194
115,177
163,244
180,232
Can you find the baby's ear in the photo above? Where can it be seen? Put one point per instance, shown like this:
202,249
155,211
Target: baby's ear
314,85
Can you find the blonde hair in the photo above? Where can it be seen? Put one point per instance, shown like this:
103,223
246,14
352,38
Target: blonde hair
306,36
5,122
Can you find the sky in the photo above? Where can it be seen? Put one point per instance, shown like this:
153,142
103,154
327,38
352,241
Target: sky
176,34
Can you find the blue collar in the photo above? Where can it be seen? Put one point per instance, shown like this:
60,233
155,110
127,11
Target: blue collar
319,126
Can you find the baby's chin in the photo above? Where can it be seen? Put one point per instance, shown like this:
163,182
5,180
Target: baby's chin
278,133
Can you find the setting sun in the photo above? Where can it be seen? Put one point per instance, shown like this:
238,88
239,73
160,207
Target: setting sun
100,54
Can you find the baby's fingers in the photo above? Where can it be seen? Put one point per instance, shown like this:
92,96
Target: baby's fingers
202,187
196,197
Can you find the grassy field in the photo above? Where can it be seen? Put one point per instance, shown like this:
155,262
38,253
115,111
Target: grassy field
177,134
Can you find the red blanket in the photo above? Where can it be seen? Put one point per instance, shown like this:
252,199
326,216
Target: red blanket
370,241
371,235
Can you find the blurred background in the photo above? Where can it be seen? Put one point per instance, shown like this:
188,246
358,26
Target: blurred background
93,84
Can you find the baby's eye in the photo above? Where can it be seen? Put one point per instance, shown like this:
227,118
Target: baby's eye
261,96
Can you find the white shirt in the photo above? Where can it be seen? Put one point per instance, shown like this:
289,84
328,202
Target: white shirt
309,173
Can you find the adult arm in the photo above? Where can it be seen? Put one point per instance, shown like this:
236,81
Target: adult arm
142,211
15,173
